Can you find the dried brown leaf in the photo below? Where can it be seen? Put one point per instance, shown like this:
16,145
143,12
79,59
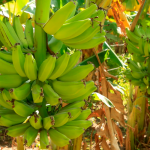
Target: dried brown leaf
104,144
128,146
97,113
119,117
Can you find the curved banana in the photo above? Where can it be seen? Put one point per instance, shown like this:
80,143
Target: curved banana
74,58
50,95
11,81
6,56
84,114
78,104
44,142
60,66
18,130
19,31
30,67
78,73
59,18
30,135
46,68
89,85
18,60
146,80
71,132
6,68
21,92
58,138
62,88
22,108
6,95
11,30
36,121
5,103
133,65
60,119
48,122
72,29
89,44
86,13
138,74
138,58
80,123
29,33
37,92
87,35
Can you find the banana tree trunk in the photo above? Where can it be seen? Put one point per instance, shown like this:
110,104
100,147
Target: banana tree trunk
136,118
20,143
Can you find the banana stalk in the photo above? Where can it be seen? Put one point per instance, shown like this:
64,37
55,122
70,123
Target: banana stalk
40,35
20,143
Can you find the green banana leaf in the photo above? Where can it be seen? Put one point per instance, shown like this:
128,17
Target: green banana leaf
4,1
102,56
98,97
113,55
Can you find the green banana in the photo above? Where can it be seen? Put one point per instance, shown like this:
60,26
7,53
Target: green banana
146,80
29,33
86,13
6,95
5,103
21,92
4,110
146,48
80,123
147,31
73,105
132,48
137,74
84,114
74,58
59,18
133,65
72,29
50,95
141,46
62,88
74,113
22,108
19,31
46,68
9,81
7,37
55,45
44,142
11,30
58,138
89,85
71,132
78,73
138,58
60,66
133,37
30,135
142,86
61,119
6,68
36,121
48,122
8,120
89,44
138,32
37,92
136,82
84,96
18,60
30,67
6,56
87,35
18,130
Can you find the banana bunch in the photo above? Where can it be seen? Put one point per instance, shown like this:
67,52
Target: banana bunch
31,95
138,45
82,31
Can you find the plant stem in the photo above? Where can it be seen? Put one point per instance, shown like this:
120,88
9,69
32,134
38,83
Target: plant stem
20,144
